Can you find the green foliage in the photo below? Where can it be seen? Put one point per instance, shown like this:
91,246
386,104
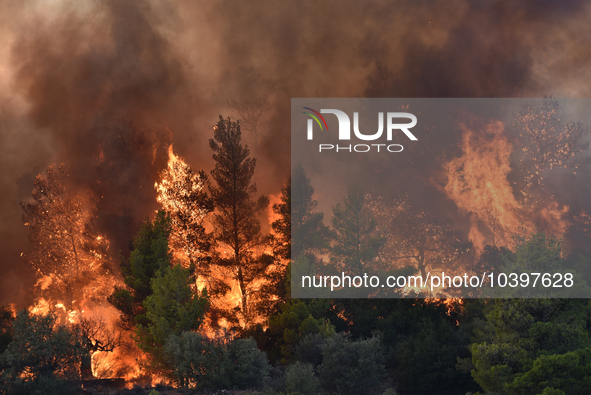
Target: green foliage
525,339
568,373
426,360
410,327
351,367
41,354
300,378
309,349
149,256
196,362
296,320
250,367
172,308
540,253
200,363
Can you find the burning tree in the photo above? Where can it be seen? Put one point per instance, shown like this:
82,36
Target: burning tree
237,226
182,195
547,143
68,254
95,336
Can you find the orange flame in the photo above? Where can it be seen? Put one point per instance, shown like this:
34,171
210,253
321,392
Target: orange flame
477,182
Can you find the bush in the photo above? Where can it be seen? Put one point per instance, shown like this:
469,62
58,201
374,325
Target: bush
300,378
309,349
249,367
351,367
200,363
197,362
40,355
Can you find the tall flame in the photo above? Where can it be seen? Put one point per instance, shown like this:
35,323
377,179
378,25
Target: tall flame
477,181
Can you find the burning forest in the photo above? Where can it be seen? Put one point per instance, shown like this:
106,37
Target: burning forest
151,245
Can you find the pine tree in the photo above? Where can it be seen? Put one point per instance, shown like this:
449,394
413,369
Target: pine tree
173,307
149,256
298,229
182,194
308,230
236,219
357,241
282,225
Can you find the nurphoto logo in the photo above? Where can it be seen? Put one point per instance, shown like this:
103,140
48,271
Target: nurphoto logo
392,124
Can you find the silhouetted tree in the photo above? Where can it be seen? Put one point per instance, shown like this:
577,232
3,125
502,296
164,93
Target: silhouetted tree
309,232
251,113
95,336
357,240
236,218
415,236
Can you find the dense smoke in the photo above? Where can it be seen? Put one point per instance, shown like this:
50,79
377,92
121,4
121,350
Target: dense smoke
106,86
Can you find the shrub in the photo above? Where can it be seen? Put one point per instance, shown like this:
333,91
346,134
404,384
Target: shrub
249,365
40,355
300,378
197,362
351,367
200,363
309,350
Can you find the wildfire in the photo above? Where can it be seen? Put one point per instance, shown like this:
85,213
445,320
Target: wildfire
477,181
272,215
181,194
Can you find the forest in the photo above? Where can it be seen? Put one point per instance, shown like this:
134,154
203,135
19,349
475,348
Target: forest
201,301
149,247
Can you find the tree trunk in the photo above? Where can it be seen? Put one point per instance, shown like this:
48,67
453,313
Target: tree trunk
86,367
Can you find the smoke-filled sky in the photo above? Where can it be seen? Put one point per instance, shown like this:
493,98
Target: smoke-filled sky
106,86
